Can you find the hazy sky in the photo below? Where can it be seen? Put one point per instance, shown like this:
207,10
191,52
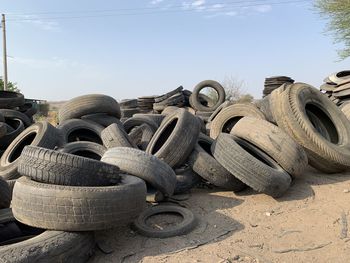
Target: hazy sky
61,49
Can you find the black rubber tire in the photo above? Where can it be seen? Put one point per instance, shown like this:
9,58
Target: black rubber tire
13,114
273,141
54,167
102,119
133,122
41,134
115,136
143,165
89,150
175,139
80,130
250,165
51,246
195,102
12,132
229,116
9,99
188,224
5,194
185,179
141,136
128,113
204,164
295,103
128,103
168,95
84,208
89,104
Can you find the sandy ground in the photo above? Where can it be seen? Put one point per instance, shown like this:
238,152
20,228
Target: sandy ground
308,224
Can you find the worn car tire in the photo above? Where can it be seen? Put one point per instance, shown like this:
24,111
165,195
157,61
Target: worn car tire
141,136
13,114
174,140
41,134
54,167
84,208
89,104
13,128
327,141
115,136
10,99
194,98
187,224
229,116
250,165
143,165
205,165
133,122
275,142
101,119
80,130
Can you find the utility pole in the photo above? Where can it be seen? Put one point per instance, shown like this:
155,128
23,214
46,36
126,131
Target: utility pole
4,50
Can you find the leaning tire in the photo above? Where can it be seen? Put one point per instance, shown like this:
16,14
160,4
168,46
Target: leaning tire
194,98
273,141
85,208
80,130
13,114
203,163
41,134
250,165
115,136
229,116
12,131
145,166
317,124
53,167
174,140
89,104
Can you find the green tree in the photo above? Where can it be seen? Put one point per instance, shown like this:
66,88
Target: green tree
338,13
10,86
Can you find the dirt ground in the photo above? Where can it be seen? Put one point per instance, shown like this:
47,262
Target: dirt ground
308,224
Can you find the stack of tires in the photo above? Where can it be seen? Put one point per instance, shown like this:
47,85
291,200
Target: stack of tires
15,116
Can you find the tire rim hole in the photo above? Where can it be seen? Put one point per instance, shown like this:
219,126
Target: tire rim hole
163,220
84,135
208,96
230,123
205,146
164,135
19,148
322,123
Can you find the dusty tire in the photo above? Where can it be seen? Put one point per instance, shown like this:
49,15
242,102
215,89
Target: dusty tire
115,136
346,110
194,98
41,134
273,141
141,136
13,114
156,118
9,99
169,110
89,150
264,106
204,164
174,140
229,116
101,119
186,179
218,109
54,167
5,194
85,208
250,165
89,104
188,223
327,140
133,122
80,130
145,166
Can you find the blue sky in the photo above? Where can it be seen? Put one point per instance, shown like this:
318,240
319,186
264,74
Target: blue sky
61,49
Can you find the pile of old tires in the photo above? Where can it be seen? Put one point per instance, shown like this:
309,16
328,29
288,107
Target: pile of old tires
95,170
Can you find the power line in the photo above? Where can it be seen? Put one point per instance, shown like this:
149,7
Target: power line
162,10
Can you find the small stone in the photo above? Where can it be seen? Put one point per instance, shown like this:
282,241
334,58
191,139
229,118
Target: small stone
346,191
268,214
215,226
236,257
